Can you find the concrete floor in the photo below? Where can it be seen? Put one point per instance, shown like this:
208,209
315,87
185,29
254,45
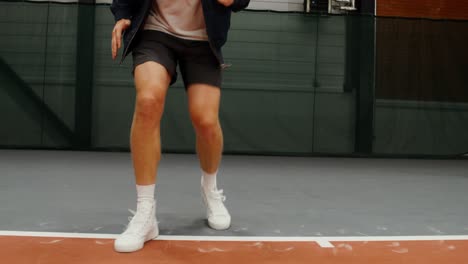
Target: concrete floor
65,191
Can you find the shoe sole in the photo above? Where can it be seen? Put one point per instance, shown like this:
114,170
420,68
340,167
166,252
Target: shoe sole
218,228
150,236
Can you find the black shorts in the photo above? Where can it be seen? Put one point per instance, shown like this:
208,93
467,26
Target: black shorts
197,63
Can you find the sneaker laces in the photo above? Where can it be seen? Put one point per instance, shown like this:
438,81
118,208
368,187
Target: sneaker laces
218,195
139,219
215,201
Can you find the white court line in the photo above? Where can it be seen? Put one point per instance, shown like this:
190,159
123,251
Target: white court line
322,241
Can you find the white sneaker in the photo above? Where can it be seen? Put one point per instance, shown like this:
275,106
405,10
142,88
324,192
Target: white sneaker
217,214
142,227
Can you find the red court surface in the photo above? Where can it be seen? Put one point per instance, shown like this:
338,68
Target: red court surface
21,249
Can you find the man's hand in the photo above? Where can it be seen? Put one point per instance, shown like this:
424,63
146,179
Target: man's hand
226,3
119,27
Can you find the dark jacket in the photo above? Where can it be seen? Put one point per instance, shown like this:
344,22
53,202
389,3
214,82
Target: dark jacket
217,20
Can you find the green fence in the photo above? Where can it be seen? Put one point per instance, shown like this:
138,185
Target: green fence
300,84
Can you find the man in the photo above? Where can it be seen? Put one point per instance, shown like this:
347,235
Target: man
161,34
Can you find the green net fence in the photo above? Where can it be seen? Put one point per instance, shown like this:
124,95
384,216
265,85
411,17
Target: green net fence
300,84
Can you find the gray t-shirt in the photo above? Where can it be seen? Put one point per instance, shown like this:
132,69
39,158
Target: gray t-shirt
180,18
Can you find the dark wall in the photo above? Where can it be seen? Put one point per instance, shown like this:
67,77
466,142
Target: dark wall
422,60
452,9
421,86
366,6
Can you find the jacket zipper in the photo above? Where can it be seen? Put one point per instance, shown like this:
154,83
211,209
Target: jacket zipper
222,65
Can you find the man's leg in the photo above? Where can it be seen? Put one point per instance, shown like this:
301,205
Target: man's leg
204,103
151,81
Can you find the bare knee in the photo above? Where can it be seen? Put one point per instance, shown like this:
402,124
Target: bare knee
206,124
149,107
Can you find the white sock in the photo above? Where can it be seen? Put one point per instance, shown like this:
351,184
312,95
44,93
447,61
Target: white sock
209,180
145,192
